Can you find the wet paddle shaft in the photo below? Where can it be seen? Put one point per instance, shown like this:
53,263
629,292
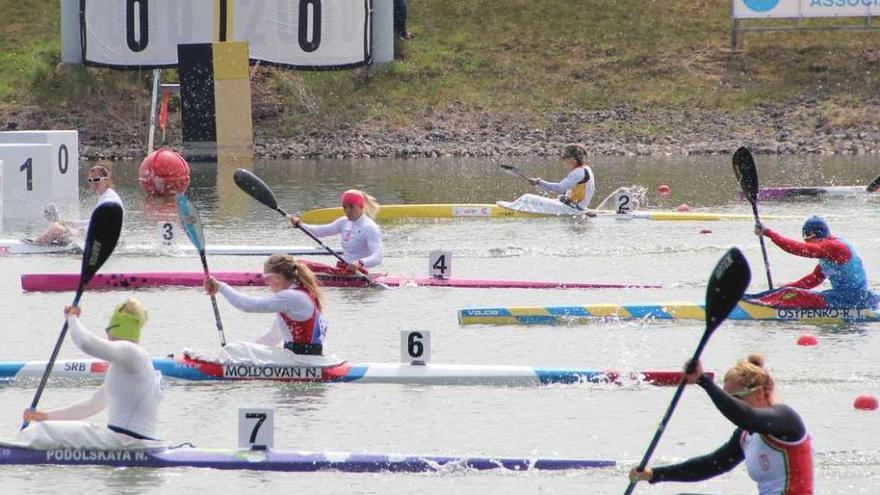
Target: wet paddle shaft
744,168
257,189
101,238
192,225
727,284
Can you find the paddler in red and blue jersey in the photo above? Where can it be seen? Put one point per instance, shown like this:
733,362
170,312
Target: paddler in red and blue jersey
296,300
838,262
770,437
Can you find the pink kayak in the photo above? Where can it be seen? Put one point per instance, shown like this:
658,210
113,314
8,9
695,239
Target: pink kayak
135,280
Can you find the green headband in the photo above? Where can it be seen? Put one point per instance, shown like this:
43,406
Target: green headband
124,325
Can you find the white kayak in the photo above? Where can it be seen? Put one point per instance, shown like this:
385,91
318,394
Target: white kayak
17,246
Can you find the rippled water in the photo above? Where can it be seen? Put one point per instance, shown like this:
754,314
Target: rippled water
584,421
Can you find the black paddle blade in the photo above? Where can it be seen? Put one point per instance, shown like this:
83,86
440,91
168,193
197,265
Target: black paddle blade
874,186
101,238
727,284
255,187
744,168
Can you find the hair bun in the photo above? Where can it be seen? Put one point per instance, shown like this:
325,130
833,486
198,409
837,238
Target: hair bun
757,360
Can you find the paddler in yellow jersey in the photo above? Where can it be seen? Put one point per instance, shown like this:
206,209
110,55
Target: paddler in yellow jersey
578,187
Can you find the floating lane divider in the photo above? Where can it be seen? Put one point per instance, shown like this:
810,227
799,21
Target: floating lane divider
488,210
188,369
34,282
555,315
280,460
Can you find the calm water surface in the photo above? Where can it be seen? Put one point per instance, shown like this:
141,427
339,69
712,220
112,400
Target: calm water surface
602,422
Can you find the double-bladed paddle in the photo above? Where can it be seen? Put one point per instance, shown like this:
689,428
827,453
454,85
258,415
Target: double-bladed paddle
257,189
744,168
192,225
727,284
510,169
101,238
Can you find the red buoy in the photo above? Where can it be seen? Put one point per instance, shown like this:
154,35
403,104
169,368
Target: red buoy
807,339
683,207
664,190
865,402
164,172
705,231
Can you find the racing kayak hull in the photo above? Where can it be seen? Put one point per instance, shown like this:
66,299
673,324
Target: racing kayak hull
16,246
404,212
280,460
49,282
787,193
390,373
550,315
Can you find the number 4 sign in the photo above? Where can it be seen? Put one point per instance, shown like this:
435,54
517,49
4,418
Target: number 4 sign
440,264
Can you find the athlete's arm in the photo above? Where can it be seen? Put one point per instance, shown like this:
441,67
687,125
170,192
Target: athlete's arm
81,409
565,184
295,303
374,244
812,280
326,229
703,467
832,249
120,352
779,420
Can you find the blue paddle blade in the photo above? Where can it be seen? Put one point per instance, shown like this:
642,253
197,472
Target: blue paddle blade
190,221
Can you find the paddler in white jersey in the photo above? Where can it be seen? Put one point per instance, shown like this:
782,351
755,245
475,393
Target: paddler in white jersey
131,391
62,232
296,302
361,237
578,187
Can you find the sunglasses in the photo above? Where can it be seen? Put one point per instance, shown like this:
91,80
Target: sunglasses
95,180
740,394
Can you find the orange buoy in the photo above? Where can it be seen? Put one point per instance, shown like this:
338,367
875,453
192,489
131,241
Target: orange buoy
807,339
664,190
164,172
865,402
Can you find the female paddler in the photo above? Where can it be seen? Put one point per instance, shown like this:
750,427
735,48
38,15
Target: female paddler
132,388
838,262
295,300
578,187
62,232
770,437
361,237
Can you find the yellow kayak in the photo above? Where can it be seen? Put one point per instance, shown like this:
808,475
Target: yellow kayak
477,210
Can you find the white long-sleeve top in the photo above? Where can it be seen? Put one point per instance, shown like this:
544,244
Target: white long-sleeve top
361,239
571,186
294,303
108,196
132,387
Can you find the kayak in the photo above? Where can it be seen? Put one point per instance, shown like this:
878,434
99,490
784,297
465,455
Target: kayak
135,280
190,369
16,246
402,212
744,310
281,460
785,193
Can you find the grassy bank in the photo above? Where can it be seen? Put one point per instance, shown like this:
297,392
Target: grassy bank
520,59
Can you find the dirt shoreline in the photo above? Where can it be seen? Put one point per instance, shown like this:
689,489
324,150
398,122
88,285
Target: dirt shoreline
796,127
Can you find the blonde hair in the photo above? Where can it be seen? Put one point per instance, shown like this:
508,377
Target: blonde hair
135,308
751,373
294,271
575,152
371,206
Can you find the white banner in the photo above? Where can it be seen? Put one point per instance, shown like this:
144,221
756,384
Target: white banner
297,33
305,33
142,33
762,9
